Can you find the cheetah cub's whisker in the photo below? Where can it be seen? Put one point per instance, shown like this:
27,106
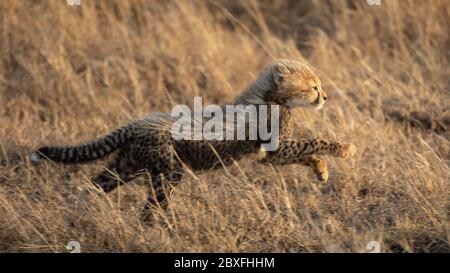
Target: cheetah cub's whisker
147,146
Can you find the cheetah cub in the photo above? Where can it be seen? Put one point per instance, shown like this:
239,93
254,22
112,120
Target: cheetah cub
147,146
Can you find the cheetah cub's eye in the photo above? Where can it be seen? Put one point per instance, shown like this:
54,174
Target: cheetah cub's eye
316,88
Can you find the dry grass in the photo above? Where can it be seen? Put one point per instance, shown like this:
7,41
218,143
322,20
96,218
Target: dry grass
69,74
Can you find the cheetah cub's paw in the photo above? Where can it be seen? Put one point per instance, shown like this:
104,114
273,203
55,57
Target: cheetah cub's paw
346,150
321,171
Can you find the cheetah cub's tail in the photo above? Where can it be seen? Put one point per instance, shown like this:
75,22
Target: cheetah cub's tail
96,149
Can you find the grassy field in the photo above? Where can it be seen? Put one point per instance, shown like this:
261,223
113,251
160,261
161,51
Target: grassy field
71,73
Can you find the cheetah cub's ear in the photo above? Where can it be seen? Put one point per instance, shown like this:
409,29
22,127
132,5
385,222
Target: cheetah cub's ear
279,72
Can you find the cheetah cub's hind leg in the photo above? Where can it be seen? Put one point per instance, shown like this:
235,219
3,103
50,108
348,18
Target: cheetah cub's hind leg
166,173
120,170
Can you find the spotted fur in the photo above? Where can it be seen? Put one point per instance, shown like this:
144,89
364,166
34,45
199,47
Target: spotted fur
147,146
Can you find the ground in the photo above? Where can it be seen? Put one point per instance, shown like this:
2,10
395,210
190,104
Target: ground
71,73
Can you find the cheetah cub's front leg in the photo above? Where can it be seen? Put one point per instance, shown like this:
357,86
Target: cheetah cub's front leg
306,152
345,150
318,165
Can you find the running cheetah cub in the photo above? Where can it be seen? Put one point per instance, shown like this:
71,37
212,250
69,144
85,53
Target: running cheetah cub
147,146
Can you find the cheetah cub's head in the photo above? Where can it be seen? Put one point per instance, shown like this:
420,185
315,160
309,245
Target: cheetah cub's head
296,85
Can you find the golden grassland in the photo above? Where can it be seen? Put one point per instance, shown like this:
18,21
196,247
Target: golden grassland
69,74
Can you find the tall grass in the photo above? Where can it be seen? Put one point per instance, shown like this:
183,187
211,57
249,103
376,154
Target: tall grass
69,74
